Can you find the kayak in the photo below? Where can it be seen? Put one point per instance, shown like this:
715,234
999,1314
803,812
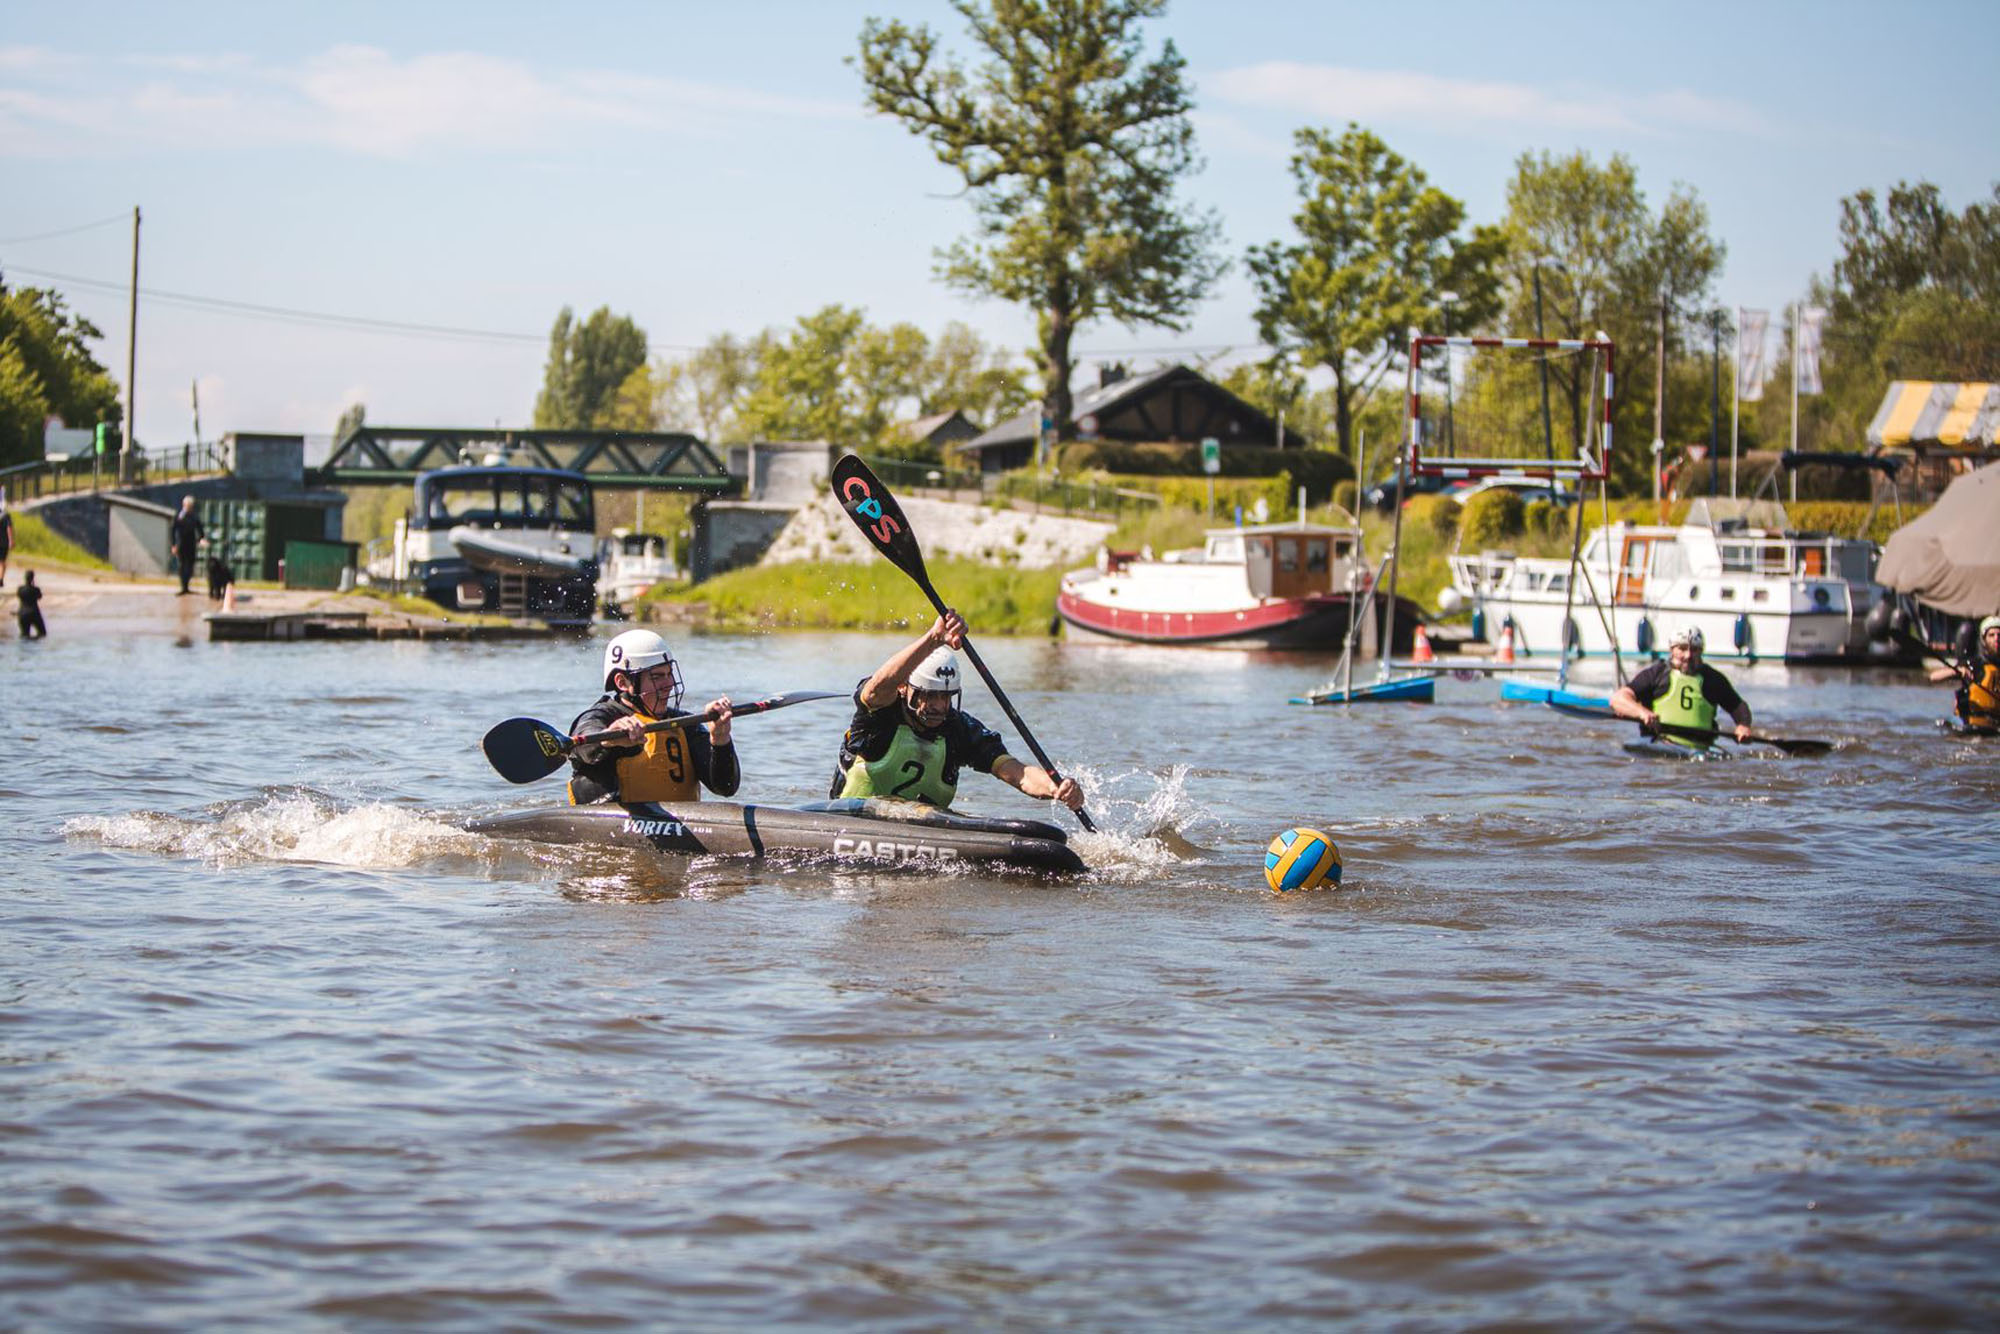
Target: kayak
853,831
1667,750
1959,727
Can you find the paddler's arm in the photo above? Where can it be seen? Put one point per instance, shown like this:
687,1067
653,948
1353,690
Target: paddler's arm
879,690
721,774
1626,705
1032,780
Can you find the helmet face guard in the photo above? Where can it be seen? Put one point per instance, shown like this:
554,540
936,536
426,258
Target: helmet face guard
636,652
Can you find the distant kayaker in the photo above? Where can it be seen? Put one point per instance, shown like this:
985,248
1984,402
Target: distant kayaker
642,685
910,739
1683,691
1979,681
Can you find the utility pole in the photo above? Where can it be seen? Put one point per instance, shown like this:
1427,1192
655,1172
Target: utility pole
131,360
1715,397
1542,361
1660,399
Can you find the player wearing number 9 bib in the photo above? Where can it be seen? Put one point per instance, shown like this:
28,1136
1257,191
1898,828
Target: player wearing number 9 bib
1683,691
909,738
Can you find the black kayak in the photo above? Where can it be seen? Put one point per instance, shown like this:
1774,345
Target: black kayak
1655,749
1959,727
854,831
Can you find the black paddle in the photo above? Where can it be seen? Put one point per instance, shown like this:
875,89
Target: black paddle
880,519
1790,745
522,749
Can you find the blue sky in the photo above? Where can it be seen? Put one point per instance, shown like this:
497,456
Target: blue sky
709,167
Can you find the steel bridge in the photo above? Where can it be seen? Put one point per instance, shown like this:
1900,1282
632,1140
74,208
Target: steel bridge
629,460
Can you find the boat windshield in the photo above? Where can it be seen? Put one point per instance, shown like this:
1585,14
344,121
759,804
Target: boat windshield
507,500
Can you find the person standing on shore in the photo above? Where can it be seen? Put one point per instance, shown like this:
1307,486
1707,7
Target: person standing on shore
30,616
6,537
185,538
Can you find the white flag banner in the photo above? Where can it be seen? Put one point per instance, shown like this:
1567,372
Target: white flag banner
1751,367
1811,319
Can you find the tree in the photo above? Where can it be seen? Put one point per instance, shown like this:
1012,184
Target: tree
1070,142
1378,246
587,363
352,418
1604,262
47,369
961,372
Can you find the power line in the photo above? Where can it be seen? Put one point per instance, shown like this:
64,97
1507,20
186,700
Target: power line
68,231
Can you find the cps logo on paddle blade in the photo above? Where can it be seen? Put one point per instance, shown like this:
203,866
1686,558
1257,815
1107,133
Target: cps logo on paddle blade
860,500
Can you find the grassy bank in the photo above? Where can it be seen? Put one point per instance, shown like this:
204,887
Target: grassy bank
825,595
34,540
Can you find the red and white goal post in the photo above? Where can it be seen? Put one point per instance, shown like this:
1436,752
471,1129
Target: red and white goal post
1488,424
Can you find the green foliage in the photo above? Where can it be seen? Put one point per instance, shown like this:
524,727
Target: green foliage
1490,518
372,511
1347,495
587,364
1070,143
873,596
1605,264
1316,469
33,537
46,367
1434,514
1378,245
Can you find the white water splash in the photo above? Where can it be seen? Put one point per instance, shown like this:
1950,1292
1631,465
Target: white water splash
293,826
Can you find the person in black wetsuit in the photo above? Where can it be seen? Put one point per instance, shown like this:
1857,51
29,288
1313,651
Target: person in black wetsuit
642,685
30,616
184,538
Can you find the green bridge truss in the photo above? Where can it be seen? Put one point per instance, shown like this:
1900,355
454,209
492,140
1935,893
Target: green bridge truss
652,460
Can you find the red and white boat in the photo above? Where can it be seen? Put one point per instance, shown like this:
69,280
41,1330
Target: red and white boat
1288,586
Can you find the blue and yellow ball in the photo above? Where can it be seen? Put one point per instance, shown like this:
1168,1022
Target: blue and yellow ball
1301,859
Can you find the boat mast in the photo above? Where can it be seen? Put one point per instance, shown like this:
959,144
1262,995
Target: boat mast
1394,557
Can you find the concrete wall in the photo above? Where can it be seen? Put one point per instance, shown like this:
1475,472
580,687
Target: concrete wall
730,534
782,472
266,460
85,519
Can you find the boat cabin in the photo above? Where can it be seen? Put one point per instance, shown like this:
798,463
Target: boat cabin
1282,560
503,497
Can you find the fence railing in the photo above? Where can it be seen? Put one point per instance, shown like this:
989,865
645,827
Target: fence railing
99,472
1085,497
912,475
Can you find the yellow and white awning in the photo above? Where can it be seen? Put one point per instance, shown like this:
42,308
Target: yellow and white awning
1929,414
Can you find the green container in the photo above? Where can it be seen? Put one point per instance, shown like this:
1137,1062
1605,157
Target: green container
317,564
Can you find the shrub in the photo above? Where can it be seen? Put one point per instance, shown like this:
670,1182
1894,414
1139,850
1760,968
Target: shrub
1489,519
1346,495
1435,514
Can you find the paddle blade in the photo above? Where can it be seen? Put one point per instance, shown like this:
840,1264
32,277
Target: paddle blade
522,750
878,516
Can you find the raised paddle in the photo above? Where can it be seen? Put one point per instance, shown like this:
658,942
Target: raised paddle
1790,745
523,749
880,519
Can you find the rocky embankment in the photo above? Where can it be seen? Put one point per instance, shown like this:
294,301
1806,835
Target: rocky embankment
821,531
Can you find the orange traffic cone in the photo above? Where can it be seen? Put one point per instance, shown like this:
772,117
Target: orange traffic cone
229,596
1506,653
1422,652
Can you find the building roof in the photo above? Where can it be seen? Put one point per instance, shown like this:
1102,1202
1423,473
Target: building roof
1930,414
1167,403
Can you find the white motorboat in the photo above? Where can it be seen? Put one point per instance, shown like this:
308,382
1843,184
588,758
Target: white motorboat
629,563
1756,590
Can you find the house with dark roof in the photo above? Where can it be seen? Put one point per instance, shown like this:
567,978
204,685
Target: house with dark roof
941,430
1172,405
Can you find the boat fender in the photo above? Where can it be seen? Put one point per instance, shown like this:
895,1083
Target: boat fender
1479,624
1741,632
1644,639
1572,639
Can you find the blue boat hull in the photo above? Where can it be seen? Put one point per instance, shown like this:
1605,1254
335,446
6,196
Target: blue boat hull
1411,689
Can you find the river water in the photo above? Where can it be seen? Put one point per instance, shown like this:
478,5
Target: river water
1585,1041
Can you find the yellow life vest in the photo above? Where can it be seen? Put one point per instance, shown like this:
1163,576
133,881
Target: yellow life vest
1982,697
661,770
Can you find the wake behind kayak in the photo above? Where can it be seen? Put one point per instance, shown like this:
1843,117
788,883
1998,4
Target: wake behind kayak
859,832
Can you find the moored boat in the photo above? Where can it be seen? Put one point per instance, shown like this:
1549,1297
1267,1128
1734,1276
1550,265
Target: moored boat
1763,592
863,833
629,563
1273,586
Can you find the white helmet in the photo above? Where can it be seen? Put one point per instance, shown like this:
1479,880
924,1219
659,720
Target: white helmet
1688,636
635,651
939,671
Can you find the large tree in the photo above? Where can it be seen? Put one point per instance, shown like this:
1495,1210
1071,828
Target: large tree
1071,142
1378,247
588,361
1605,263
47,370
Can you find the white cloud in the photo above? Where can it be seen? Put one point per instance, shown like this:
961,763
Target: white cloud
356,99
1405,97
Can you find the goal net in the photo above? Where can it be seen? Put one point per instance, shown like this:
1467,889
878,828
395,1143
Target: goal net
1536,406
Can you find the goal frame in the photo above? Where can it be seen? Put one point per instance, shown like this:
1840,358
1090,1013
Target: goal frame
1589,465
